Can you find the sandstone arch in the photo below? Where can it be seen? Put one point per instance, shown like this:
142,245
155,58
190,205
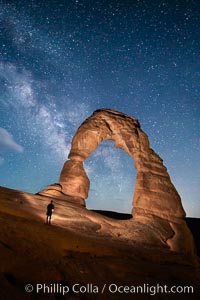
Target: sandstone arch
156,201
154,190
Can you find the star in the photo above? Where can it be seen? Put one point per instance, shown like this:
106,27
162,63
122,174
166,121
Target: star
61,61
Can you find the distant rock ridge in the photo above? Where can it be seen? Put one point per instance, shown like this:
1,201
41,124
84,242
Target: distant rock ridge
156,201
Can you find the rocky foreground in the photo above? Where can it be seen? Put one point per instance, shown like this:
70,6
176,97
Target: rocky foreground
91,255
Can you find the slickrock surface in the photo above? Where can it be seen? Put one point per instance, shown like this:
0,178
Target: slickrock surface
83,247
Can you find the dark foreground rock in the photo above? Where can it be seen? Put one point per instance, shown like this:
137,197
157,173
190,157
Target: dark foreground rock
84,252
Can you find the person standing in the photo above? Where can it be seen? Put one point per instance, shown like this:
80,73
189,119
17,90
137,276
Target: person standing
50,209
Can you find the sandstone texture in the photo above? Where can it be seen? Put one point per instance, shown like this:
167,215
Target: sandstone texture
85,247
156,203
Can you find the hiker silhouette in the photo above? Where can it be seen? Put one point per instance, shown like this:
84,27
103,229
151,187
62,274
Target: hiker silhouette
50,209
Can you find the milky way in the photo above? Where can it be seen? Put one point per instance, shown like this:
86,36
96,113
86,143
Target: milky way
61,60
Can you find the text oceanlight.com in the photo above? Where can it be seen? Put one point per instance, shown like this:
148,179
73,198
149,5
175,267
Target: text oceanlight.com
112,288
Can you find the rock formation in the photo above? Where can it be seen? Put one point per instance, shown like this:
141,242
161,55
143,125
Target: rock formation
85,247
156,202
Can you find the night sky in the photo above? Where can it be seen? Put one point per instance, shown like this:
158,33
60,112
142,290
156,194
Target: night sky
61,60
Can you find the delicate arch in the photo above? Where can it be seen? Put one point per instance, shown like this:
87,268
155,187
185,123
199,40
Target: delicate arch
157,208
154,191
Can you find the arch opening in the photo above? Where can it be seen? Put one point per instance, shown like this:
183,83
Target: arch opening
112,181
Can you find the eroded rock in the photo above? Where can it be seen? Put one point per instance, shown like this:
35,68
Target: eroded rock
155,201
